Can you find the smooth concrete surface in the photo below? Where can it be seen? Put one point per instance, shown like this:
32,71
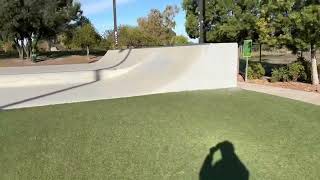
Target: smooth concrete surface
115,62
125,73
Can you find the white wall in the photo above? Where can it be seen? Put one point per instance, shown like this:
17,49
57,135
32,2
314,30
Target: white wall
215,68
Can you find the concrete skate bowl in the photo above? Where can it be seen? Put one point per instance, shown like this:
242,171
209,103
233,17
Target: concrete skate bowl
113,63
139,71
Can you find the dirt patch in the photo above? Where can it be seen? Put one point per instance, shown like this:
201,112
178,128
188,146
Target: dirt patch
288,85
14,62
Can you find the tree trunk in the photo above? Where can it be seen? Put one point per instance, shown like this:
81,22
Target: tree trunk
21,52
27,46
49,45
315,76
260,49
19,48
27,51
88,53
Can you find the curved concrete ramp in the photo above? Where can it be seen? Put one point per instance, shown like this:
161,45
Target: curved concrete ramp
112,64
125,73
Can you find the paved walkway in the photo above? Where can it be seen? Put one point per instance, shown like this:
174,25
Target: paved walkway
308,97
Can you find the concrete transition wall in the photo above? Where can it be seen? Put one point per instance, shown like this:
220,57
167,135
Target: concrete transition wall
212,66
131,72
209,66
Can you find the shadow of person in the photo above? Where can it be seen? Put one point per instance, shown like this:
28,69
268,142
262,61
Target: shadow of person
228,168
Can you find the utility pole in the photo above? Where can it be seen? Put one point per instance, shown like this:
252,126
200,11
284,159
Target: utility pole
115,23
201,6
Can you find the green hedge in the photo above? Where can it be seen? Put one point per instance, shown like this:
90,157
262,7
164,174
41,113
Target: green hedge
256,71
296,71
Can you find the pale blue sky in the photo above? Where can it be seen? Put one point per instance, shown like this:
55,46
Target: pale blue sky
100,12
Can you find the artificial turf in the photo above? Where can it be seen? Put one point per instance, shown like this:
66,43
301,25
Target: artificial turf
164,136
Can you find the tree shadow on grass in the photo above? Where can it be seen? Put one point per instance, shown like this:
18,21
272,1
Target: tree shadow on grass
229,167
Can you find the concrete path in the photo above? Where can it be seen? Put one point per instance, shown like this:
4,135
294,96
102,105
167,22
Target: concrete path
308,97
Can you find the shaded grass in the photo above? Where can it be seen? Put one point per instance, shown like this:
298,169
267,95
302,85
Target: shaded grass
161,137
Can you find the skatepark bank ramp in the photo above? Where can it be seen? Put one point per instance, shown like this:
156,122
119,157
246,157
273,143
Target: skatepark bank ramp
123,73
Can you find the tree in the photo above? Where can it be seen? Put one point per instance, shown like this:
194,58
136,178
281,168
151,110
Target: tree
179,40
66,37
25,22
131,36
305,25
292,23
272,22
192,20
225,21
154,30
86,37
160,24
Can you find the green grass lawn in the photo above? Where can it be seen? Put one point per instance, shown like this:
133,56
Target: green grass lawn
163,137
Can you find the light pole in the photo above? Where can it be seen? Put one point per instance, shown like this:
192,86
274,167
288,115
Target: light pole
115,23
201,6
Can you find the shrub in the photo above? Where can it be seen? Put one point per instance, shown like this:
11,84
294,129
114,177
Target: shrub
8,47
256,71
179,40
250,73
307,69
281,74
275,75
297,71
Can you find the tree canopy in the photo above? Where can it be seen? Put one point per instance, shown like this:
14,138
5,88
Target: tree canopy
156,29
27,21
86,37
179,40
305,31
291,23
160,24
225,21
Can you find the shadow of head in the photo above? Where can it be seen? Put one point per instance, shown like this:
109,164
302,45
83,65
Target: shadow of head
227,168
227,149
